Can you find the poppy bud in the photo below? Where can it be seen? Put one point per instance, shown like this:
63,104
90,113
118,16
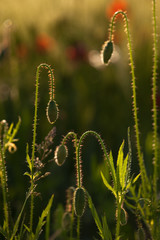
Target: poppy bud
52,111
107,50
79,201
61,154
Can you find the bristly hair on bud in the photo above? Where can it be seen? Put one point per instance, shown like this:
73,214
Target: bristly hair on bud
79,201
52,111
61,154
106,52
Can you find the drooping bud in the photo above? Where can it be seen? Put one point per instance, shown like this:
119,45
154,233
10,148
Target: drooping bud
107,50
61,154
52,111
79,201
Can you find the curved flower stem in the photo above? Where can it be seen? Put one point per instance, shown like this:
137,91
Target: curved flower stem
51,93
78,164
79,176
140,156
90,132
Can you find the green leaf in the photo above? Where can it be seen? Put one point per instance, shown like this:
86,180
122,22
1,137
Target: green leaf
95,215
3,232
10,130
28,174
15,130
124,175
36,174
27,228
108,185
136,178
129,155
106,232
113,172
19,216
119,170
28,158
44,214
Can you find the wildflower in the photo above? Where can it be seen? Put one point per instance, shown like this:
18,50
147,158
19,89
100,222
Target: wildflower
43,43
76,52
115,6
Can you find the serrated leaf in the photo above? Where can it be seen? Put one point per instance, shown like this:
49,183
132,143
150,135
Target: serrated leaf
129,155
95,215
42,221
119,170
108,185
113,172
124,175
106,232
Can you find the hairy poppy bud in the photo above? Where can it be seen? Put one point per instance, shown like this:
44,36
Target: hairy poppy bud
79,201
107,50
61,154
52,111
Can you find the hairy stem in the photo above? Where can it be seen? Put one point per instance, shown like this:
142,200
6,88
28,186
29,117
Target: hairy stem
154,92
140,156
4,188
51,92
155,127
98,137
118,220
78,163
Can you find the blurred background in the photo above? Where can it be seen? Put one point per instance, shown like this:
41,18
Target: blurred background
68,35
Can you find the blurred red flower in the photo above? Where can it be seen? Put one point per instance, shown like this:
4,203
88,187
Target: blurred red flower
43,43
115,6
76,52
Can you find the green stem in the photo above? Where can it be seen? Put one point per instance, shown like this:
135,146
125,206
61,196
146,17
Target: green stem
51,83
78,163
118,220
140,157
4,189
72,221
90,132
78,228
154,91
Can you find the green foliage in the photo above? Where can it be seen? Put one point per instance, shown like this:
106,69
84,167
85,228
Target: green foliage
135,194
102,226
